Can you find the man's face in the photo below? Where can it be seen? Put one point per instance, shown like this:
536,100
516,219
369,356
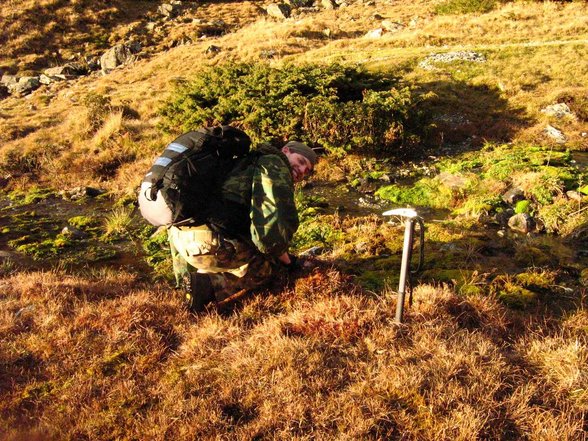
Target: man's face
301,166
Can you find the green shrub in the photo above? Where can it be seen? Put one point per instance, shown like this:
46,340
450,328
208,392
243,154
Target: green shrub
465,6
338,107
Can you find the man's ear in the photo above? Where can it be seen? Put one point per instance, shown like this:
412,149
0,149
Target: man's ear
285,149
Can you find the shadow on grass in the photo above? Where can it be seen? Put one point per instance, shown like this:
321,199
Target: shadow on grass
460,114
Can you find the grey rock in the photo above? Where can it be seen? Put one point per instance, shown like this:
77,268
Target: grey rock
392,26
558,110
522,223
118,55
513,195
67,70
299,3
575,195
73,232
170,10
328,4
81,192
375,33
314,251
212,49
24,86
449,57
7,80
278,10
555,134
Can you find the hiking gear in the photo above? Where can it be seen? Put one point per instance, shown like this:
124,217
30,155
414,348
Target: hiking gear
183,185
411,218
304,150
199,292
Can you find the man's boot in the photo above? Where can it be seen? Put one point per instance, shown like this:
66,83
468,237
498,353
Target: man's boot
199,292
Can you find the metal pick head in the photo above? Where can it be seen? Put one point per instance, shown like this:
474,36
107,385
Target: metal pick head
402,212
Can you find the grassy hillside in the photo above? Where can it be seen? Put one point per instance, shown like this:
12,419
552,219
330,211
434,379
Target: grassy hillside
95,341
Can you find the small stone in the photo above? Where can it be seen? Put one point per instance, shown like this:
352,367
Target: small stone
375,33
522,223
328,4
327,32
212,49
73,232
501,233
575,195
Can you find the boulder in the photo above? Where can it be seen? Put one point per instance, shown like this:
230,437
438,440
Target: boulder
7,80
24,86
555,134
67,70
522,223
118,55
278,10
558,110
513,196
170,10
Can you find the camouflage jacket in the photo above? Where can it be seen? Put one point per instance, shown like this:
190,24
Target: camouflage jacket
259,194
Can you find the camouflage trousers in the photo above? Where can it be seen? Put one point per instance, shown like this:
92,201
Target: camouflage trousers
232,265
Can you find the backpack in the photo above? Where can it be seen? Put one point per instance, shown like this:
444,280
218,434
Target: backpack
183,185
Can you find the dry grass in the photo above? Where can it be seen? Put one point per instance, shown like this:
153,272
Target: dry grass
319,361
322,359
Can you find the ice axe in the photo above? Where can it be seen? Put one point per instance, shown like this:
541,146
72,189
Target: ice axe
411,218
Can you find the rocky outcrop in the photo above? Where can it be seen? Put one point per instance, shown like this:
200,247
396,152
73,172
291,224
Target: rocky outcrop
278,10
119,55
24,86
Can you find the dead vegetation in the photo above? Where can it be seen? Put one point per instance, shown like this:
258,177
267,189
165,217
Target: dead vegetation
321,360
110,355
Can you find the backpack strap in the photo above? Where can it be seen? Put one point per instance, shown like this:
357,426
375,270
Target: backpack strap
173,153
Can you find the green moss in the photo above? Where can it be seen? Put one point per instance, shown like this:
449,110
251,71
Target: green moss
378,280
522,207
426,192
535,279
515,296
42,249
83,222
32,196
